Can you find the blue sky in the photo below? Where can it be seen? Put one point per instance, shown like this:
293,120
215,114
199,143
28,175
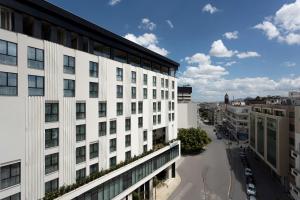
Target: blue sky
259,56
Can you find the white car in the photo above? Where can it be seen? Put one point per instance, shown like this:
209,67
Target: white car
251,190
248,171
251,197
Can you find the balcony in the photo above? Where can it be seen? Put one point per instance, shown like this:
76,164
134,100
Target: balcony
126,178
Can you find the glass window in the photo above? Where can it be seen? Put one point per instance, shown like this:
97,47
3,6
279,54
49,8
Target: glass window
35,85
173,116
51,163
162,94
112,145
120,56
51,112
127,140
167,83
154,106
8,53
154,93
154,119
162,82
13,197
80,154
173,105
133,77
113,127
127,155
80,132
6,20
113,161
173,84
80,174
69,64
94,150
173,95
51,137
127,124
51,186
119,91
133,108
158,119
159,106
154,81
133,92
167,95
94,69
145,148
69,88
102,128
8,84
145,80
140,122
10,175
134,60
119,74
80,111
119,108
145,135
145,92
35,58
140,107
101,50
93,90
102,109
170,117
94,168
170,105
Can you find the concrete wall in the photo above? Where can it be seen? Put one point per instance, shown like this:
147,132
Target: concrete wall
187,115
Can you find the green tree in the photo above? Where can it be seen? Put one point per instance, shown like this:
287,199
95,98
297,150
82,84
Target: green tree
193,140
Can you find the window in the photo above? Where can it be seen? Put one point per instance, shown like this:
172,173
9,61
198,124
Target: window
35,85
102,128
51,186
69,88
127,124
113,161
6,19
80,154
94,69
173,95
8,84
145,92
80,174
140,122
154,81
167,95
145,148
16,196
173,116
292,127
93,90
133,108
119,108
173,105
8,53
101,50
154,106
133,77
154,119
69,65
162,82
127,140
119,74
173,84
51,137
145,80
169,105
159,106
35,58
113,127
80,110
80,132
167,83
119,91
102,109
120,56
51,112
145,135
162,94
10,175
133,92
127,155
51,163
94,150
159,119
112,145
154,94
140,107
94,168
170,118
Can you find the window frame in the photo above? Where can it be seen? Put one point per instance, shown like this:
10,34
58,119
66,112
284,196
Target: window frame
52,113
36,87
94,150
35,59
8,85
52,142
94,90
79,113
113,127
7,54
13,177
69,88
102,109
102,132
94,69
68,68
80,154
53,165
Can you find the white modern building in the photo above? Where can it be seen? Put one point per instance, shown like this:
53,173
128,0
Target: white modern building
77,100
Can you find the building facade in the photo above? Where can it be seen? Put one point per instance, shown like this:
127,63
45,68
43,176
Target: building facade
77,100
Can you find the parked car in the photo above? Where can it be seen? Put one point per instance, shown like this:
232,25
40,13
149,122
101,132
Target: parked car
219,136
245,161
252,197
251,190
248,171
250,179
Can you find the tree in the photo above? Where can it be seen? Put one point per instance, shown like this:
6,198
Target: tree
193,140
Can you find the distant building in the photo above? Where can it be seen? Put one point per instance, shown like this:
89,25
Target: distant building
184,93
226,99
219,115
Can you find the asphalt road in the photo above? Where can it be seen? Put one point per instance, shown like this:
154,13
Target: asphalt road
208,176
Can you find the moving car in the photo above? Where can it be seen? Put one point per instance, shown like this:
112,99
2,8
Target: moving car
248,171
251,190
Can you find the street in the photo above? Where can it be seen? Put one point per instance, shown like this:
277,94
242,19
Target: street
208,175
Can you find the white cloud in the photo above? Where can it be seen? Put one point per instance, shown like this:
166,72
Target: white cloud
147,40
146,24
289,64
209,8
114,2
228,64
284,25
231,35
247,54
170,23
198,58
218,49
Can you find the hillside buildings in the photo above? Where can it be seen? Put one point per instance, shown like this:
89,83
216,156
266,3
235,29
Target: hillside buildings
76,99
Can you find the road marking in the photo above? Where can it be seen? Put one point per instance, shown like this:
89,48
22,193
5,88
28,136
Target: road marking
185,189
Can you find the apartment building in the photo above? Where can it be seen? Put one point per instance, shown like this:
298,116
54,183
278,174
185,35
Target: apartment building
237,120
82,109
272,133
219,115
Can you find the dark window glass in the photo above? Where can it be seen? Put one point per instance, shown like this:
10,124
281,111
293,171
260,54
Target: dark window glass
167,95
140,107
134,60
80,174
119,91
154,93
133,77
173,84
94,168
127,140
119,108
173,105
8,53
80,132
51,137
133,92
113,127
113,161
102,109
13,197
154,119
173,95
93,90
120,56
154,106
80,111
145,79
162,81
154,81
35,85
51,163
119,72
145,92
6,19
140,122
112,145
167,83
69,64
127,155
145,148
102,128
80,154
51,186
145,135
159,106
51,112
35,58
127,124
10,175
173,116
69,88
101,50
94,150
162,94
159,119
133,108
8,84
94,69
